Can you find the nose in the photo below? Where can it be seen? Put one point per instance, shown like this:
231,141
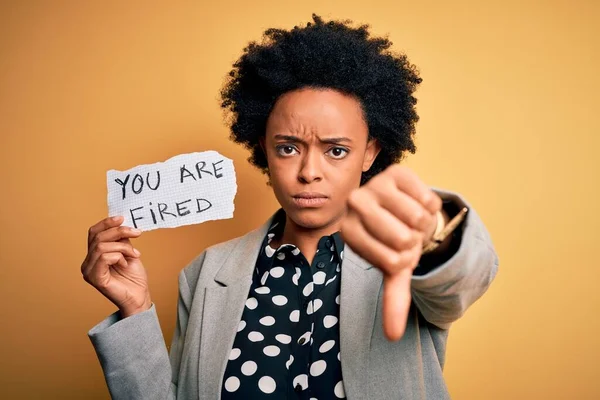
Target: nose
310,168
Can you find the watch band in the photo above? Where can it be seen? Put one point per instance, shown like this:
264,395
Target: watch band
441,231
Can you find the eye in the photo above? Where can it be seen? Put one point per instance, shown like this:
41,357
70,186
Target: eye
338,152
286,150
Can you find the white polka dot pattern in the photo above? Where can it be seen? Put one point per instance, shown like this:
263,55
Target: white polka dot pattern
255,336
268,321
249,368
234,354
232,384
262,290
319,278
325,347
280,300
287,340
251,303
301,380
271,351
267,384
329,321
295,316
318,367
339,391
241,325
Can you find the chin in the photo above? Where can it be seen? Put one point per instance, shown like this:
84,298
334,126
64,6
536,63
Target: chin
310,218
308,221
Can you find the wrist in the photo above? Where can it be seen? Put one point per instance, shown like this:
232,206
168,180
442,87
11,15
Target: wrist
129,311
435,227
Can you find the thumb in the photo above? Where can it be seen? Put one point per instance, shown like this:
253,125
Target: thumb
396,303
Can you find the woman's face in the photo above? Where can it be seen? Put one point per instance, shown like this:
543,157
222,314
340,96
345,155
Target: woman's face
316,147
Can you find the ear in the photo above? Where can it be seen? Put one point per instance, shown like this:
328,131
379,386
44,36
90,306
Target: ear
371,152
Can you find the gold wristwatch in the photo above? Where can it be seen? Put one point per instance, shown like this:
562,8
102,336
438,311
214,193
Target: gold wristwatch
442,229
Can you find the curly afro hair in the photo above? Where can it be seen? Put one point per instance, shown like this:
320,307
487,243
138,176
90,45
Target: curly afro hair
329,55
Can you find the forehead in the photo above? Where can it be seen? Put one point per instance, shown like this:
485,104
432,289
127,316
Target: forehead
317,111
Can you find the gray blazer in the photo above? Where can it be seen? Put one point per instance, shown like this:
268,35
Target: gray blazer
212,292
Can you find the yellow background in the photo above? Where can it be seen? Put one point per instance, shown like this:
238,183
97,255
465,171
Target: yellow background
509,118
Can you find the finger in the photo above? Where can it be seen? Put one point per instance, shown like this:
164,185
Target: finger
396,303
407,181
99,274
127,242
403,206
115,234
111,247
385,258
103,225
380,223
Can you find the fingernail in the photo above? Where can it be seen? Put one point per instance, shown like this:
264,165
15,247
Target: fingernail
116,217
137,252
136,231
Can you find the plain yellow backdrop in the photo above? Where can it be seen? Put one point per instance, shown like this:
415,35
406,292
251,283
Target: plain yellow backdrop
509,118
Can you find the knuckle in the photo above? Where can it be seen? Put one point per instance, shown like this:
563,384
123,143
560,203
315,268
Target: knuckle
91,236
387,170
395,261
383,188
431,198
397,167
354,198
94,254
377,181
428,197
418,218
403,238
100,284
95,242
418,237
101,247
401,169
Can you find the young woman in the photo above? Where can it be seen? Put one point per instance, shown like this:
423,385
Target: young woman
349,289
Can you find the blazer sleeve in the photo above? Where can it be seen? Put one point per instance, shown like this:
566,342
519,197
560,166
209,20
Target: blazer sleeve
133,354
443,294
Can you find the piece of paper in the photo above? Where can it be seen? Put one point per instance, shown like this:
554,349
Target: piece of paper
185,189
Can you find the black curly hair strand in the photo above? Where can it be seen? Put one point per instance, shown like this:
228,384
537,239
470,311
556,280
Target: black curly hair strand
331,55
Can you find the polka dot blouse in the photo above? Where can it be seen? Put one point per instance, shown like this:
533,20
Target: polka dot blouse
287,344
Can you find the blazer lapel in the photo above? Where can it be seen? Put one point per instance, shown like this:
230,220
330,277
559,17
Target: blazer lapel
224,305
360,288
223,308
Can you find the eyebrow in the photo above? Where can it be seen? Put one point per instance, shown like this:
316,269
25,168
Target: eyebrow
296,139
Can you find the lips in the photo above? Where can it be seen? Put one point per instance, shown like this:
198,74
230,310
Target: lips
310,195
309,199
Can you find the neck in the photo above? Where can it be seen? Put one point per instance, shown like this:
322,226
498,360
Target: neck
306,239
